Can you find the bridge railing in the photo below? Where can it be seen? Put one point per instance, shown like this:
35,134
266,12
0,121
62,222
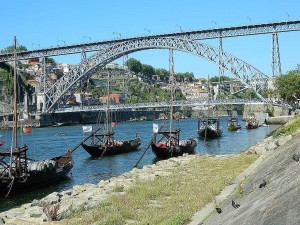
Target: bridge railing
184,103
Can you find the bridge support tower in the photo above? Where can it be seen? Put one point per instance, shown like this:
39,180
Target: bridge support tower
276,65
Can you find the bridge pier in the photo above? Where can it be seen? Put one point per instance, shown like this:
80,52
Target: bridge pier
263,111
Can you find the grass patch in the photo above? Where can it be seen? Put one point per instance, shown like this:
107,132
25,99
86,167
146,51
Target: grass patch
118,188
290,128
168,200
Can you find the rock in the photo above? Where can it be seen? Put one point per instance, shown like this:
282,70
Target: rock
35,211
261,150
284,140
271,146
51,199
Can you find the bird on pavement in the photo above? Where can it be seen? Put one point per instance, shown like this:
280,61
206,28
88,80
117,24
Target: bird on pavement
296,157
234,205
219,210
263,183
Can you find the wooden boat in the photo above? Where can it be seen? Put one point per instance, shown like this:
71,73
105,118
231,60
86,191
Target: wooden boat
18,173
104,144
2,143
232,124
22,174
170,145
251,123
209,128
167,143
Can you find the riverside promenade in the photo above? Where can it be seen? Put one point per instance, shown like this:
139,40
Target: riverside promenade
276,203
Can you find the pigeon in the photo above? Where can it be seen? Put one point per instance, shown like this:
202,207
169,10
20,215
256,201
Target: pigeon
219,210
263,183
296,157
234,205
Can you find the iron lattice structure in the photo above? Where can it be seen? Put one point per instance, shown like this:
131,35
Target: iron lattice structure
70,82
276,64
254,29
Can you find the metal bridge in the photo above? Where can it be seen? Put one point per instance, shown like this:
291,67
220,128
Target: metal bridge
151,105
107,51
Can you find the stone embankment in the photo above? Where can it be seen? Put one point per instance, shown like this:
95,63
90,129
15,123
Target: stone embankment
87,196
58,205
267,192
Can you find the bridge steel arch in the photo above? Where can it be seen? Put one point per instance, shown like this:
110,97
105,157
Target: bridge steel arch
77,74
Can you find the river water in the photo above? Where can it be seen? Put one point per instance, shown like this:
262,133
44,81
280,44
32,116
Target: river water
45,143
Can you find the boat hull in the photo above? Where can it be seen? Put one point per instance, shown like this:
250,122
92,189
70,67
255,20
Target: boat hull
167,152
37,179
100,150
234,127
251,126
209,133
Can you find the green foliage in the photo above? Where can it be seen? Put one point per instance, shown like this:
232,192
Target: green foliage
182,77
267,91
288,85
250,94
186,111
8,81
134,65
180,219
118,188
147,70
177,115
222,78
139,92
20,48
290,128
50,60
163,74
7,74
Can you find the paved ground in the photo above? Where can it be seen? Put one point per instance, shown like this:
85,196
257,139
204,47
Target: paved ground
278,203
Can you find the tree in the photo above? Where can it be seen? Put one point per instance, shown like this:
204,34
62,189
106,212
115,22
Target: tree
147,70
19,48
267,92
162,73
50,60
288,85
134,65
250,94
222,78
181,77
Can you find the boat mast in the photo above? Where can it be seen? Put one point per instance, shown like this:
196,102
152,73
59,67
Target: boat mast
108,106
15,128
209,96
171,82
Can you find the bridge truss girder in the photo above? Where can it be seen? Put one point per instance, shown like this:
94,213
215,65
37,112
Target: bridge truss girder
247,74
243,30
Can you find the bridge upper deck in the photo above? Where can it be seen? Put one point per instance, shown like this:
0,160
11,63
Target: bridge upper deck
254,29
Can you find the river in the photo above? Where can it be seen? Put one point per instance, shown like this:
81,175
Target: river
45,143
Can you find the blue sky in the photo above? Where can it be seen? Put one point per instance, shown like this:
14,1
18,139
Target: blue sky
56,22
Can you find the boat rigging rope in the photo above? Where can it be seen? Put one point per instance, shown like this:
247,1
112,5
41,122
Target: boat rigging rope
105,148
10,186
205,131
